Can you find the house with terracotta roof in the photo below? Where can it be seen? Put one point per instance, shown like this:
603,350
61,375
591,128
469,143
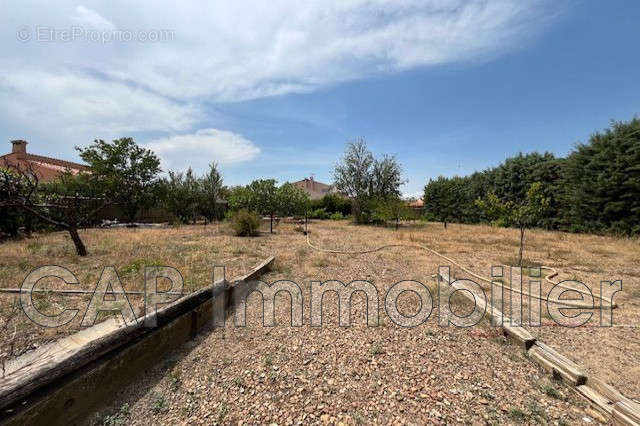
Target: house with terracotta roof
416,204
46,168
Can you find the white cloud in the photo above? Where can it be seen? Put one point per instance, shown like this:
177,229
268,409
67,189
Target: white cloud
203,147
92,18
82,103
231,51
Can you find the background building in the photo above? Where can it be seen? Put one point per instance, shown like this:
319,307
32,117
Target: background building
46,168
315,189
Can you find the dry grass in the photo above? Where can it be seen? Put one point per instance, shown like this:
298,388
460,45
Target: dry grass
195,249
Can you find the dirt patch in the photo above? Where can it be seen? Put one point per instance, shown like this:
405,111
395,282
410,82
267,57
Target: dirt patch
354,374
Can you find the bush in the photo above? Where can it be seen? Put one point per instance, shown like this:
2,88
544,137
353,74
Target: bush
246,223
319,214
428,217
10,221
336,216
332,203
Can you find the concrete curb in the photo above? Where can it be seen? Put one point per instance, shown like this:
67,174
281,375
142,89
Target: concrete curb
67,381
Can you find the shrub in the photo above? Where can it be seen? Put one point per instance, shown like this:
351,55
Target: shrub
332,203
246,223
10,221
336,216
428,217
319,214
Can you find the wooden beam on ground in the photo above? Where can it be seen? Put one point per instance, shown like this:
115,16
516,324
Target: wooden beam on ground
626,413
69,379
604,399
557,364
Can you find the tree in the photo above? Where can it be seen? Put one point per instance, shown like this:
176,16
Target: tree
69,202
182,195
389,209
443,199
264,198
353,175
240,197
333,203
292,200
125,170
523,214
11,218
211,189
364,179
602,181
386,178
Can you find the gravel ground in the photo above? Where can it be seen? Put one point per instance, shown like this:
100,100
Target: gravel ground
333,374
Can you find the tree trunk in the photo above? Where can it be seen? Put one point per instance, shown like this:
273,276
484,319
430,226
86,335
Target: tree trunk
80,248
28,224
271,223
397,219
521,246
445,224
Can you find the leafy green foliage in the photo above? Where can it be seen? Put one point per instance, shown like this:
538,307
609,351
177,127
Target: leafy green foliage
367,180
266,198
602,181
245,223
389,209
596,188
291,200
182,195
319,214
11,218
124,170
189,197
523,214
210,194
333,203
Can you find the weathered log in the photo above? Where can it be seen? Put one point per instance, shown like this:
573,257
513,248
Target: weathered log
37,374
557,364
626,413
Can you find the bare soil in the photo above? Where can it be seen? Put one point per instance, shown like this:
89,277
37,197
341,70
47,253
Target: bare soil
357,374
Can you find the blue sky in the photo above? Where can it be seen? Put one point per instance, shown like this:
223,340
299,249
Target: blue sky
448,86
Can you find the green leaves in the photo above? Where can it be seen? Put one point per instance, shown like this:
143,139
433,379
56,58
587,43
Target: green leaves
366,179
595,189
524,213
602,181
265,197
188,197
125,172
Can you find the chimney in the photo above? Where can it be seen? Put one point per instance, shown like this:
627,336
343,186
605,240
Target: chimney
19,148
